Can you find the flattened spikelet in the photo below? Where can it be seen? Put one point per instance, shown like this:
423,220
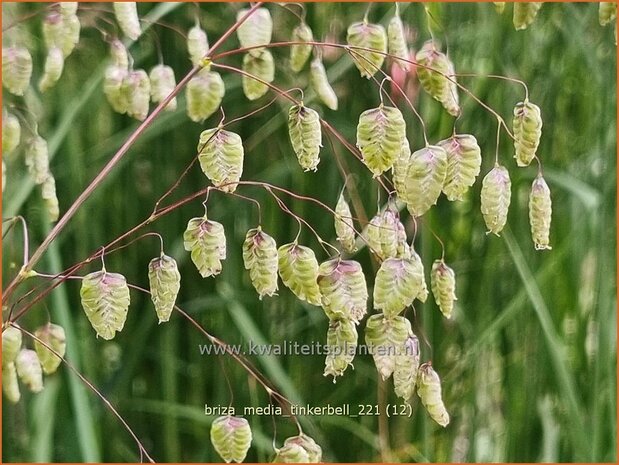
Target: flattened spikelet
11,344
429,391
525,13
259,64
386,236
320,84
343,290
400,169
16,69
205,91
406,369
371,36
52,29
397,42
527,131
50,199
607,12
11,133
260,258
54,337
105,299
418,263
71,34
162,83
298,269
386,338
10,385
305,135
136,91
37,159
256,30
380,136
291,453
221,157
344,225
398,283
463,164
437,77
300,53
119,54
206,241
231,437
165,282
313,450
61,31
495,198
29,370
197,44
443,281
540,213
425,178
113,88
54,62
127,16
342,342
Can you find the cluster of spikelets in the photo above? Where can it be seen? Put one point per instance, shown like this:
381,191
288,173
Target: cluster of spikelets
28,366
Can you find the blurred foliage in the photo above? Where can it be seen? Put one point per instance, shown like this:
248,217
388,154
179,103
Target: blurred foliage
529,362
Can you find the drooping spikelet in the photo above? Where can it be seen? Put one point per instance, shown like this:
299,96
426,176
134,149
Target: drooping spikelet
221,157
165,282
37,159
62,31
397,41
429,391
11,344
54,62
258,64
386,236
54,337
313,450
119,54
50,199
300,53
105,299
527,131
406,369
380,135
205,91
11,132
386,338
525,13
398,282
197,44
10,385
540,213
206,240
425,177
463,164
320,84
607,12
443,282
71,33
344,225
52,29
400,169
127,16
162,83
343,290
16,69
305,135
342,343
29,370
260,258
231,437
256,30
291,453
437,77
418,263
136,90
113,88
495,198
369,36
298,269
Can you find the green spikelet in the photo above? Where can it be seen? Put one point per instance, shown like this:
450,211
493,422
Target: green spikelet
443,281
344,225
119,55
127,17
105,299
495,198
540,213
437,77
50,200
37,159
400,169
197,44
499,7
371,36
231,437
386,338
380,135
165,282
113,88
463,164
527,131
305,135
291,453
420,270
342,343
396,41
298,269
52,29
29,370
136,90
313,450
11,344
406,369
398,283
256,30
206,241
10,385
386,236
320,84
260,258
205,91
425,178
259,64
343,289
54,62
53,336
11,133
16,69
429,391
300,53
607,12
162,83
525,13
221,157
71,34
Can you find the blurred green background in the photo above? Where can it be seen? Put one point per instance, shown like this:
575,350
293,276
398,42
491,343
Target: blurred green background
528,364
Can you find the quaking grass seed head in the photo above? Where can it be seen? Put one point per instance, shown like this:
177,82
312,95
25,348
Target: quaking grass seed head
256,30
386,236
398,282
10,385
311,448
386,337
300,53
37,159
136,90
540,213
54,337
113,88
260,258
11,132
127,17
367,36
342,339
162,84
50,199
397,42
320,83
463,164
205,91
231,437
291,453
343,290
221,157
344,226
437,76
54,63
298,269
29,370
527,126
197,44
406,369
16,69
206,241
429,391
443,282
305,135
258,64
165,283
425,179
495,198
11,344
